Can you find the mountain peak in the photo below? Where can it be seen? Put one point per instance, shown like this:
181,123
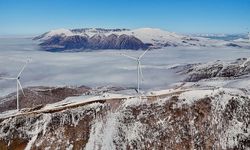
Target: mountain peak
60,31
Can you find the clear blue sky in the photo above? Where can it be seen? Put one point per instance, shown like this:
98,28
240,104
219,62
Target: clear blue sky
183,16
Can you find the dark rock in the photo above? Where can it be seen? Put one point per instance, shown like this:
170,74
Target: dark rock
97,41
190,39
232,45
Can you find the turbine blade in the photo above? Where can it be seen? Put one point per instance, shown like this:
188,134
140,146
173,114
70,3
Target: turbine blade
23,68
7,78
142,77
20,87
129,56
143,53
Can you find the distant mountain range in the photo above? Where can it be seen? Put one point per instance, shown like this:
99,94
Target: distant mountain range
143,38
226,37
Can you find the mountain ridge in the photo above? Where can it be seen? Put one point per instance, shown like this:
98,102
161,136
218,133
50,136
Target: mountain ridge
134,39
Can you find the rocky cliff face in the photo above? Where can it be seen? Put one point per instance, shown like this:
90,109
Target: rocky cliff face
97,41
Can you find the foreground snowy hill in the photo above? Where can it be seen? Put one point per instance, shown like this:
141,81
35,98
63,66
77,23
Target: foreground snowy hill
142,38
210,111
183,118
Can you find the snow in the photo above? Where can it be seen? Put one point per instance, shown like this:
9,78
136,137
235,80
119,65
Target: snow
134,132
224,94
239,83
67,101
71,101
241,40
219,82
31,142
190,97
102,132
105,130
148,35
230,137
161,92
135,101
9,113
61,31
245,62
70,147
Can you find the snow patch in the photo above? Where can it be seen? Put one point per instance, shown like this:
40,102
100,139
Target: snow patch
61,31
103,132
31,142
190,97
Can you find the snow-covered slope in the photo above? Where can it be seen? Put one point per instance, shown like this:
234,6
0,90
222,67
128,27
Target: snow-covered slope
227,69
59,32
183,118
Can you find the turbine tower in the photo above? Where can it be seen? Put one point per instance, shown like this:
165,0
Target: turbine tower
248,33
139,69
18,84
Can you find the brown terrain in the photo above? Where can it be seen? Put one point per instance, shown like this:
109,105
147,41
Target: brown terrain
40,96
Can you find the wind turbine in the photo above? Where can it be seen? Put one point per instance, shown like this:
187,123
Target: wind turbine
18,83
248,33
139,69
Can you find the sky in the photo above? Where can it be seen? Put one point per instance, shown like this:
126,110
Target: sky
24,17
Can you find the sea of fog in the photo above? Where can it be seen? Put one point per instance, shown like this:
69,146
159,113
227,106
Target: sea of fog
99,68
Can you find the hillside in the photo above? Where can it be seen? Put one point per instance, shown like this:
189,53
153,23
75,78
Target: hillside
176,119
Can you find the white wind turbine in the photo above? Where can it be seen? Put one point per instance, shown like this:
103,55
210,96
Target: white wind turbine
18,83
139,69
248,33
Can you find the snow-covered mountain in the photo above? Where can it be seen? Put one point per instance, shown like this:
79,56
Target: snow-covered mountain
142,38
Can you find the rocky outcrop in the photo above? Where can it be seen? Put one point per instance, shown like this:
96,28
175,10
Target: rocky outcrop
231,69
